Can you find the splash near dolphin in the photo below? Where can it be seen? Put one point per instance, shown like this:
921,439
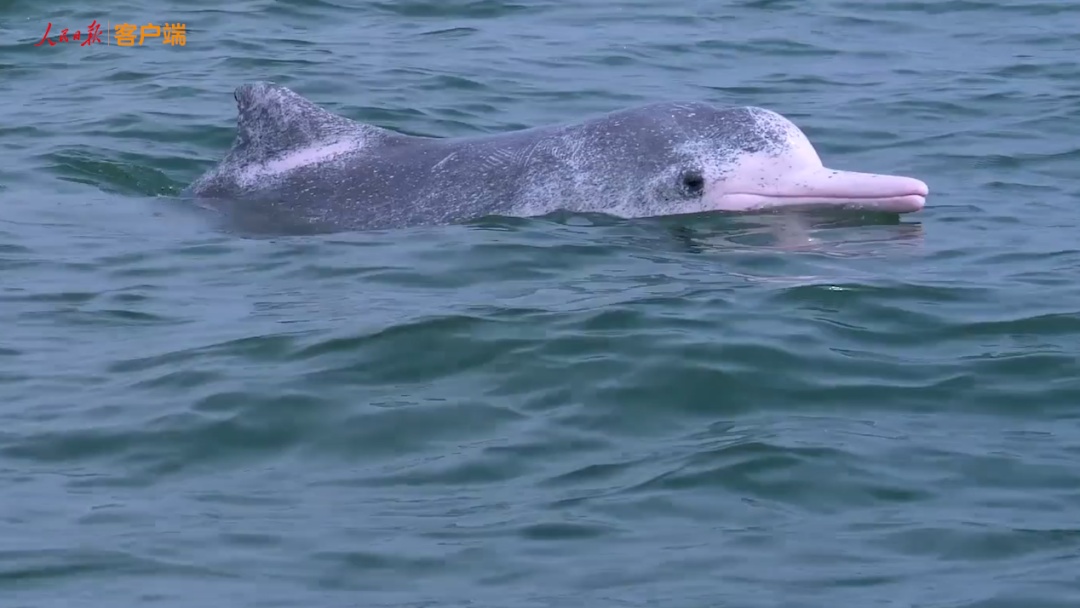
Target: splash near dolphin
654,160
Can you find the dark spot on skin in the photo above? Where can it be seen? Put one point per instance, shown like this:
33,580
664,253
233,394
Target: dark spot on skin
692,182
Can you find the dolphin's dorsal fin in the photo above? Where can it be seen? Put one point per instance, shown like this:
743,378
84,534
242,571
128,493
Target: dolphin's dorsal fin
273,121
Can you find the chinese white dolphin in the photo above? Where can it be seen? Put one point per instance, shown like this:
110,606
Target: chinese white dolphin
314,166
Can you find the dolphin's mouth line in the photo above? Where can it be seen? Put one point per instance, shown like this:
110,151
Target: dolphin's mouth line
824,197
889,203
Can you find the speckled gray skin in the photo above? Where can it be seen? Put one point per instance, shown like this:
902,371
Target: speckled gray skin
303,162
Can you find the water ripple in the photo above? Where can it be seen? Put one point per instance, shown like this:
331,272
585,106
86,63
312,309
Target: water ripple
562,411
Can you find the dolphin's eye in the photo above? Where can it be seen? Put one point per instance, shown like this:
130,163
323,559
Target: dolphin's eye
692,182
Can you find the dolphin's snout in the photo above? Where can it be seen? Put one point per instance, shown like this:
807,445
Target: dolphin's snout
824,187
895,193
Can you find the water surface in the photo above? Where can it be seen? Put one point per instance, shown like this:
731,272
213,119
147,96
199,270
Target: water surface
561,411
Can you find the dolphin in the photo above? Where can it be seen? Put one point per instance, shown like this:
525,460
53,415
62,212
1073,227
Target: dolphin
300,161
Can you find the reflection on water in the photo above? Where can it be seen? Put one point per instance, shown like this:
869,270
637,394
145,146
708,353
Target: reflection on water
835,234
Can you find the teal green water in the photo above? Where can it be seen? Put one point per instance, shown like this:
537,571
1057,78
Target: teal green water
562,411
